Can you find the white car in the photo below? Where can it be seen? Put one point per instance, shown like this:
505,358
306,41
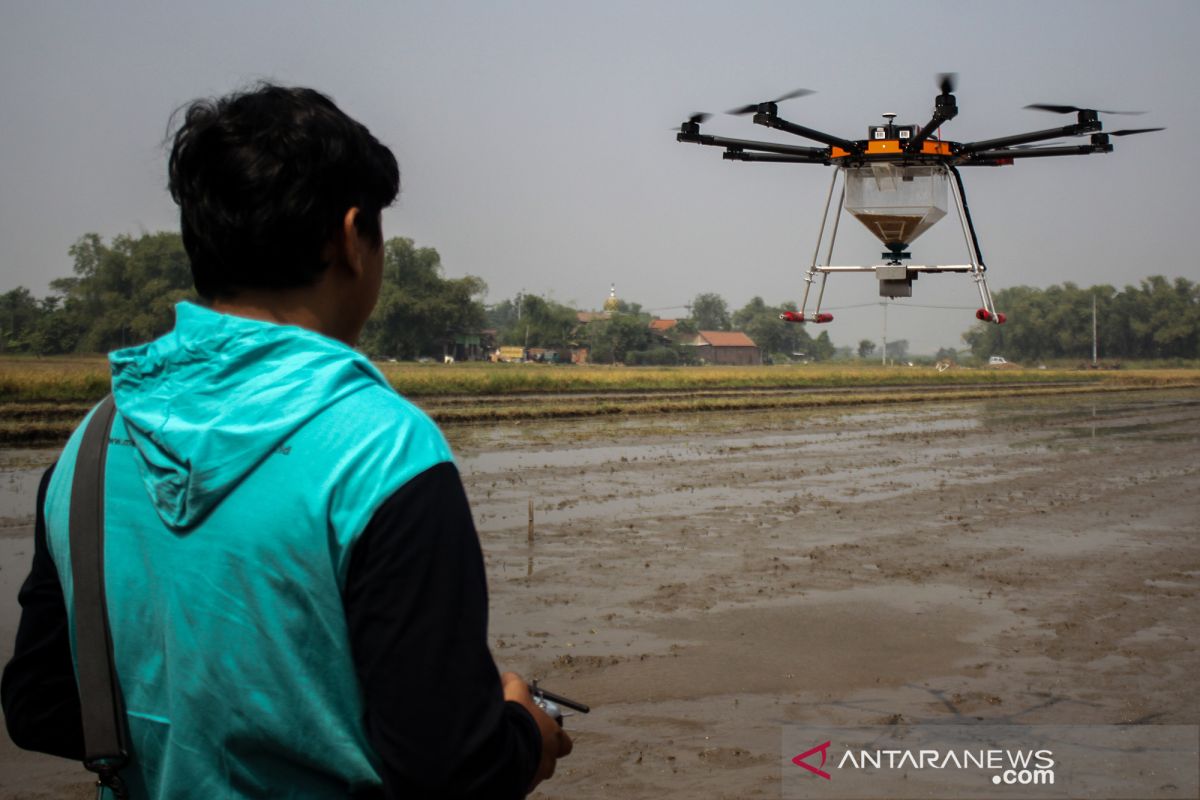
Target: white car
997,361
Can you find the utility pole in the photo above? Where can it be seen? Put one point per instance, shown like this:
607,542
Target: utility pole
883,355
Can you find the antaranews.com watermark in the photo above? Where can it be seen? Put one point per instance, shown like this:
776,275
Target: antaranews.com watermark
1023,762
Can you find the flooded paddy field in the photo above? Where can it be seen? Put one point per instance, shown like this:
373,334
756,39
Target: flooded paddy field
703,579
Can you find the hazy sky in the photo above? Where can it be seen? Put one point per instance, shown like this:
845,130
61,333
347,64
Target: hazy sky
536,145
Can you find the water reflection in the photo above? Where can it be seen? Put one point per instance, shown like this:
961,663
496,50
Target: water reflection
581,471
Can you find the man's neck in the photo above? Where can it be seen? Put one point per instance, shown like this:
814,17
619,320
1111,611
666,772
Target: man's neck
303,308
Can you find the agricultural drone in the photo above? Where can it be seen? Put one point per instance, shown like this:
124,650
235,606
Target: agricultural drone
895,182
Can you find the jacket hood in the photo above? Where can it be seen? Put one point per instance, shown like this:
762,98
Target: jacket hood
205,404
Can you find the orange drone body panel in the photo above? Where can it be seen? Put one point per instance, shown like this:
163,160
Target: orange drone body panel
883,146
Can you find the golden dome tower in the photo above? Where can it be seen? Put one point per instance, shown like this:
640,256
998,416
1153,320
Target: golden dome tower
612,303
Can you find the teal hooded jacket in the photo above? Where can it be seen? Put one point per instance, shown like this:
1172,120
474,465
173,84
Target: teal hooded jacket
245,460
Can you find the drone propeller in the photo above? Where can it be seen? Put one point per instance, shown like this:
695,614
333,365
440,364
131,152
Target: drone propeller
1131,131
750,109
695,119
947,81
1074,109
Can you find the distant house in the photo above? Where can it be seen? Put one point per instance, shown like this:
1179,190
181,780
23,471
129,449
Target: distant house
663,325
664,331
726,347
586,317
469,346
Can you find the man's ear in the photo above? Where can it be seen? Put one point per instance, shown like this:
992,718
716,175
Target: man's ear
351,248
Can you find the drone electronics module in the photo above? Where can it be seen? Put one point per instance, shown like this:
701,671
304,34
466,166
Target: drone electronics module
895,182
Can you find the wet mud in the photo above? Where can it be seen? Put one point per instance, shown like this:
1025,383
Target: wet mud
704,579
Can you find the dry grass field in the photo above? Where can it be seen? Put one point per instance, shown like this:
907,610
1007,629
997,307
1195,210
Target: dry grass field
41,400
85,378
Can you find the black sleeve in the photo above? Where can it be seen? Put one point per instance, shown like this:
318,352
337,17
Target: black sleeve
38,692
416,604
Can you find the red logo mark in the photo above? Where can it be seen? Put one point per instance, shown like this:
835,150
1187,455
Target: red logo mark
799,760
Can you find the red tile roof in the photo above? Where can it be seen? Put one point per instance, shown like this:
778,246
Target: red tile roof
727,339
663,325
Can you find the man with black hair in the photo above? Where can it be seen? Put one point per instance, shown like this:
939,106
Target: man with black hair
295,586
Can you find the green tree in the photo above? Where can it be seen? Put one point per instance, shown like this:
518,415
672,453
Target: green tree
532,321
761,323
503,315
822,348
52,334
120,294
1157,319
20,318
419,312
1169,328
865,348
685,328
710,312
612,340
626,307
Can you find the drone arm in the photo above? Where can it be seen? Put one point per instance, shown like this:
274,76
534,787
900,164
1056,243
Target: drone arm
815,153
1075,150
944,109
738,155
970,148
773,121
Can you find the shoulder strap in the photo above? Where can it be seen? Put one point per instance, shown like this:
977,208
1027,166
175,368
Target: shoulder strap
105,728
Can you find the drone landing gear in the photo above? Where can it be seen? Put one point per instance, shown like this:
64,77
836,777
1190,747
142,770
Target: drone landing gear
895,278
798,316
988,312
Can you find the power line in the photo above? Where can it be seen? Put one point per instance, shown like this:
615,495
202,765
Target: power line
844,308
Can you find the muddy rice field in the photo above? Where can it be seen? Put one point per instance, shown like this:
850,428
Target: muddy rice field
703,579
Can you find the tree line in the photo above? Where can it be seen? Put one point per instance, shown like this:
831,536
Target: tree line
123,292
1158,319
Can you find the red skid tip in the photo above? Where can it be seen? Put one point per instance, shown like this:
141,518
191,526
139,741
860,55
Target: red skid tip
984,315
798,316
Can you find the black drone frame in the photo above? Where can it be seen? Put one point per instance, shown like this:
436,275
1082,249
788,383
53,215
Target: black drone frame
894,277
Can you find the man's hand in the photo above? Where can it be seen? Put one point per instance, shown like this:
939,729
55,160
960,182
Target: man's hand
555,742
